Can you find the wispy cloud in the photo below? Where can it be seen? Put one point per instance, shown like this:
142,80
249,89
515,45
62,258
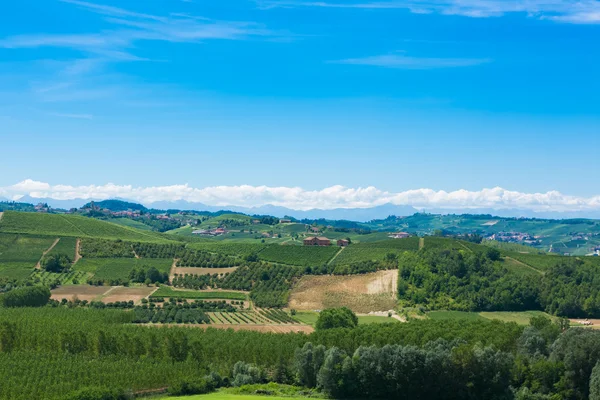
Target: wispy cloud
74,116
401,61
301,199
566,11
130,27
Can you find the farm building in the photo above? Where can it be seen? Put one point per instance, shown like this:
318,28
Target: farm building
285,221
317,241
343,243
399,235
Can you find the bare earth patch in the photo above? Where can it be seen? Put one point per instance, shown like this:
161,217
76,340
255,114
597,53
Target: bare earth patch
82,292
360,293
202,271
121,293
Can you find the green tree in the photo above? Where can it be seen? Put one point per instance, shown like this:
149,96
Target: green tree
595,383
336,318
56,263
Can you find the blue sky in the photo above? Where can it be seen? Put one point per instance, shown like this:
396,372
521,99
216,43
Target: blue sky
399,95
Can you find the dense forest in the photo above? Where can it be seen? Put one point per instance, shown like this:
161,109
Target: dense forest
453,279
61,351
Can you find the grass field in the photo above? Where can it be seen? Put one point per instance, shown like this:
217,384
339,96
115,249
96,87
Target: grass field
298,255
71,225
443,315
521,318
226,396
120,268
168,292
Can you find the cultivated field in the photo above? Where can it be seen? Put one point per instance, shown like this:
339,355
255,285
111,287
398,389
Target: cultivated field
71,225
309,256
82,292
122,293
202,271
375,251
20,253
120,268
168,292
361,293
106,294
261,328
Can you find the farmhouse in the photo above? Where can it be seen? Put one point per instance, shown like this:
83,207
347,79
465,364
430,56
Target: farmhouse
317,241
343,242
285,221
399,235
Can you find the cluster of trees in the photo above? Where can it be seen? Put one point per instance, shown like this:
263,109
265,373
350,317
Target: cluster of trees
100,248
170,314
269,284
27,296
423,359
336,318
154,250
204,259
477,281
148,276
197,282
56,263
439,370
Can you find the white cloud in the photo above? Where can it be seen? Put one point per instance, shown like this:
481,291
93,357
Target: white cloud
400,61
300,199
568,11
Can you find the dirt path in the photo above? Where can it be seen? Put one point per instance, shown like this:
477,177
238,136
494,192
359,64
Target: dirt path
173,269
421,243
134,253
335,256
39,263
1,215
524,265
77,255
100,297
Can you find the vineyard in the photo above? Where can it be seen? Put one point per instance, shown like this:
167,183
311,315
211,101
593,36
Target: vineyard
309,256
66,245
53,280
20,253
167,292
59,225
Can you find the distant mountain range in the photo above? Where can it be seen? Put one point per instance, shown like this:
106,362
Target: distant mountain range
351,214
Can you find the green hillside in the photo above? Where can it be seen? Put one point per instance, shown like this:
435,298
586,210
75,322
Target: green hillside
71,225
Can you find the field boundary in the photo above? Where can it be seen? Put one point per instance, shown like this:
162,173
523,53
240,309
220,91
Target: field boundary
77,247
525,265
335,256
39,263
